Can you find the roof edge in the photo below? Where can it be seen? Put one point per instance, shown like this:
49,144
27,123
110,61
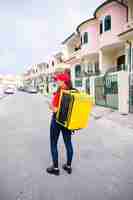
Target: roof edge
68,38
90,19
106,3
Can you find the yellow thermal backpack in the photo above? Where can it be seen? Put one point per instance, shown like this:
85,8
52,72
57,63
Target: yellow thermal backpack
74,109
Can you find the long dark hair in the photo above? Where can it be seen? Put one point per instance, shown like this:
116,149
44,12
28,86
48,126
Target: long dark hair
68,84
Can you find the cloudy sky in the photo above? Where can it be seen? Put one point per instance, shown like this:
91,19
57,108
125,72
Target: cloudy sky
32,30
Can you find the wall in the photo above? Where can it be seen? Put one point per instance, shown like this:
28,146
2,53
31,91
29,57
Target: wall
123,91
92,87
91,28
106,60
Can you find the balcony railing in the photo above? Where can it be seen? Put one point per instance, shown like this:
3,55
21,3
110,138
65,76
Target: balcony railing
111,69
84,74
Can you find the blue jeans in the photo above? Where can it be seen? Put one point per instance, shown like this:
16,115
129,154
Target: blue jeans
55,129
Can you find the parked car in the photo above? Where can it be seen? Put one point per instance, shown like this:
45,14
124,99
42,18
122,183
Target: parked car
9,90
31,90
21,88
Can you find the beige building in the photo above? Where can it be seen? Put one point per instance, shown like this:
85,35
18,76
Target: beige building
56,65
9,79
35,75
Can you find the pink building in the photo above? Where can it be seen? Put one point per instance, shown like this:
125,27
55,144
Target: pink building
100,41
111,16
100,47
100,50
127,37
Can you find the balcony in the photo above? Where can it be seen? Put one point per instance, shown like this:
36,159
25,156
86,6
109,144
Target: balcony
87,73
111,69
71,49
128,25
76,53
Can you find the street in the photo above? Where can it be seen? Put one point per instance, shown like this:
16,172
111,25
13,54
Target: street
102,165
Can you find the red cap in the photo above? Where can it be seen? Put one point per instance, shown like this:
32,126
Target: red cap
62,77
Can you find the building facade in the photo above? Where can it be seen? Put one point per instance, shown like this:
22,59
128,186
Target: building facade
127,37
35,76
97,56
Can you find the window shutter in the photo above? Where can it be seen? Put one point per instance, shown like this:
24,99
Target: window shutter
78,71
101,27
81,40
85,37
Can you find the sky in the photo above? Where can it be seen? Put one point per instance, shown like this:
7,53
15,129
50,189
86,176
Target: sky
32,30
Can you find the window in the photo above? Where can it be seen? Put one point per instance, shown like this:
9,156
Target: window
120,62
101,27
77,70
60,60
78,83
90,68
85,37
53,63
97,71
107,23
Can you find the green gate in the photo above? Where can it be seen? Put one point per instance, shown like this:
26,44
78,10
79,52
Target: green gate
78,83
100,91
106,91
87,85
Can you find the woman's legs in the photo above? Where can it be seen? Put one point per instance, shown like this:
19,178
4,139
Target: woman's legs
54,136
68,144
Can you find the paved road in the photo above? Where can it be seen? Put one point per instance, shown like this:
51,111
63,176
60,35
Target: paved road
102,168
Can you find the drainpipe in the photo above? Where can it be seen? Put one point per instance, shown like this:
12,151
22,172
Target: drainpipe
130,48
129,81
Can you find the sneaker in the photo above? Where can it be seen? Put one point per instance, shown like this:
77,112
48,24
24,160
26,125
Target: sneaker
67,168
53,170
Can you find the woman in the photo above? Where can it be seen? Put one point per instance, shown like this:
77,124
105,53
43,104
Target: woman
64,82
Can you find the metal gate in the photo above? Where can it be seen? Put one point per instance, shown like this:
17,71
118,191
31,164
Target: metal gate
106,91
88,85
131,92
100,91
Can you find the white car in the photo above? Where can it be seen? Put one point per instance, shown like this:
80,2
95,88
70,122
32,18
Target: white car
9,90
31,90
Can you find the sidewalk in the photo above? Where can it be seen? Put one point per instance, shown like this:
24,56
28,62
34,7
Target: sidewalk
113,115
